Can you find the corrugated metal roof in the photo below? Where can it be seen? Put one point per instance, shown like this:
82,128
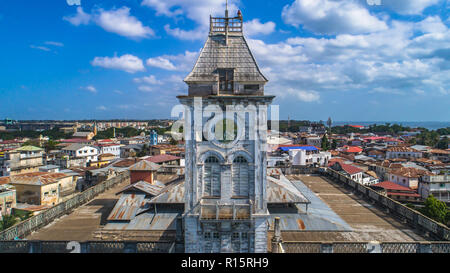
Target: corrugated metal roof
283,191
145,166
37,178
319,210
145,187
127,207
173,193
147,221
29,149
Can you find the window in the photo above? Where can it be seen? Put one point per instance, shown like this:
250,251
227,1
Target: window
216,235
207,235
240,177
226,79
235,236
251,87
211,177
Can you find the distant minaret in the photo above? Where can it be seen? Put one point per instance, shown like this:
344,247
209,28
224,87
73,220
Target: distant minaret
95,128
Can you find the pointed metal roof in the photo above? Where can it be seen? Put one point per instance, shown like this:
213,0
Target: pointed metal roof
226,47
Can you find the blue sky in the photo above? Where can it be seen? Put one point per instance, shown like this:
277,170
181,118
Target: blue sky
349,59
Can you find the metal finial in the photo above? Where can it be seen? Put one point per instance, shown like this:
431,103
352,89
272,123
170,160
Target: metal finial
226,9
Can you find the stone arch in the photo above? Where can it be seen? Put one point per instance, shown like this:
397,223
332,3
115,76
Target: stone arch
207,154
242,153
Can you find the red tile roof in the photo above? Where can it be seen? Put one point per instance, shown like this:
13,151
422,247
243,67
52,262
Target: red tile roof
162,158
350,169
352,149
404,194
388,185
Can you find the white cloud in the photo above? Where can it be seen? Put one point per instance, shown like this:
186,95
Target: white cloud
54,43
409,6
331,17
408,58
306,96
43,48
196,10
145,88
80,18
90,88
148,80
127,62
161,62
118,21
199,33
101,108
121,22
255,27
181,62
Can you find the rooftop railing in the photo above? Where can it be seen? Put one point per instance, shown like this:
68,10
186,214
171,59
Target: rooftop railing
42,219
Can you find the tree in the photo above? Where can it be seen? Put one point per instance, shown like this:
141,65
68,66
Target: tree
443,144
143,152
173,141
436,209
334,144
7,221
325,143
50,145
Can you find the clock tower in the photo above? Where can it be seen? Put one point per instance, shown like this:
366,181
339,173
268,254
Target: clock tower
225,127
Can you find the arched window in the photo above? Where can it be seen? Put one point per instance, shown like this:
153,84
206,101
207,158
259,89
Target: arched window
211,178
240,177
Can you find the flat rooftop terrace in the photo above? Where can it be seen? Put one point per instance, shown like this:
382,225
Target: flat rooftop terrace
366,221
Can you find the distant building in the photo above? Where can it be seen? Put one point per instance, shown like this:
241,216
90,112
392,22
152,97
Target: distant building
25,159
7,197
408,177
402,152
441,155
436,185
130,150
314,141
109,148
84,135
40,188
353,172
87,152
143,171
307,156
397,192
153,138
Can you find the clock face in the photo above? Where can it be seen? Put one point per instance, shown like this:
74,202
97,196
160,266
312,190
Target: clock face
224,132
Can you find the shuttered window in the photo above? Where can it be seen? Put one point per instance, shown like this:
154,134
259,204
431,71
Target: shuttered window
211,178
240,177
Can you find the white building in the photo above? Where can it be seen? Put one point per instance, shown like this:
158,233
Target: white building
402,152
308,155
408,177
109,149
314,141
355,173
87,152
437,185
